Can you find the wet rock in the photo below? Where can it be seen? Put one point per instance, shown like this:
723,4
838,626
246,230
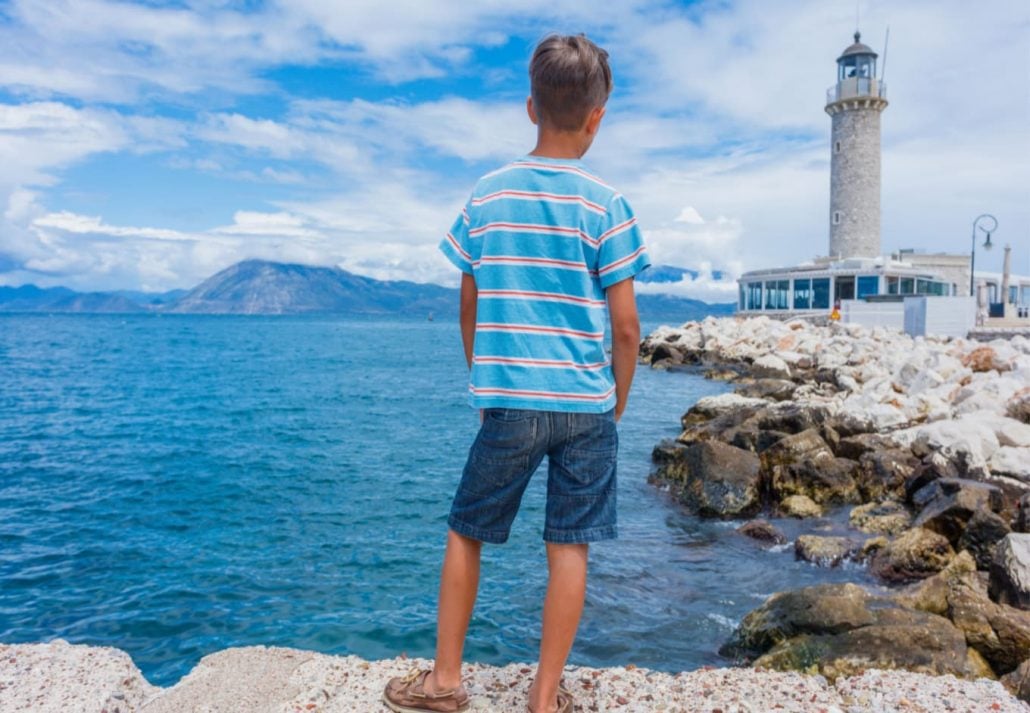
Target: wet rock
667,353
983,531
803,464
821,609
951,502
1010,571
771,389
840,629
884,518
714,479
915,554
1000,633
793,416
710,407
799,506
884,473
763,531
825,551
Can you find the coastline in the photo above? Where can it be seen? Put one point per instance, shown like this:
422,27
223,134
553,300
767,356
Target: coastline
58,677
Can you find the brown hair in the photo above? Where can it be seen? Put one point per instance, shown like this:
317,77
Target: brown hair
569,77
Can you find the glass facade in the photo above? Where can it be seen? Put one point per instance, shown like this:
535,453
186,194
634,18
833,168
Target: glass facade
868,285
802,294
754,295
821,293
776,294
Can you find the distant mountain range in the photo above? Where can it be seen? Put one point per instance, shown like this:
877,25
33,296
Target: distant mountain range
263,287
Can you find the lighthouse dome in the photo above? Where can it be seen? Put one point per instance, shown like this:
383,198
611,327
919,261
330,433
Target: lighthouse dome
857,48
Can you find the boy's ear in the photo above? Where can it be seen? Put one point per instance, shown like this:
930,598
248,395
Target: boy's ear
594,120
531,111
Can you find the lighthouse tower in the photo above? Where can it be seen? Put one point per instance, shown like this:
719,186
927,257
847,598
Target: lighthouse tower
854,105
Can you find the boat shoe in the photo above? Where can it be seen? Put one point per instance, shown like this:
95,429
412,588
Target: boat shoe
407,694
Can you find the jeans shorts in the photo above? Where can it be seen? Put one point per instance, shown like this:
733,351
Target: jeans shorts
581,450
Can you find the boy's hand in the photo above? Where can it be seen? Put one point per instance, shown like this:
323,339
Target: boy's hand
622,309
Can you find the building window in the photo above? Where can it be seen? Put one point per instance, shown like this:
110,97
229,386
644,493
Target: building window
836,217
908,286
754,295
802,294
776,294
868,285
821,293
836,147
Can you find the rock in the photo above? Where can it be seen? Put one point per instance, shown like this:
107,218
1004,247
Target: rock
984,359
771,389
931,594
770,366
667,353
820,609
1011,461
840,629
763,531
983,531
1018,406
969,442
907,639
714,479
884,473
915,554
799,506
1018,681
1000,633
710,407
871,546
885,518
803,464
854,447
1010,571
1021,522
950,502
824,551
794,416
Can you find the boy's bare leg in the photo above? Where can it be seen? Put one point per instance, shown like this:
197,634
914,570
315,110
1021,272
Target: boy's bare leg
563,606
459,582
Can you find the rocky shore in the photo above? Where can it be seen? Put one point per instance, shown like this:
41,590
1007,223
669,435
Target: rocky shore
61,678
926,441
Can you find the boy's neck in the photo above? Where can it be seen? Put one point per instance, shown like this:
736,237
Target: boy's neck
561,144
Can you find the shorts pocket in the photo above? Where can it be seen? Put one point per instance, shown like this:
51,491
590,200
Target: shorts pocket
505,442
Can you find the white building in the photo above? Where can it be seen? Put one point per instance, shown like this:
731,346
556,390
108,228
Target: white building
856,270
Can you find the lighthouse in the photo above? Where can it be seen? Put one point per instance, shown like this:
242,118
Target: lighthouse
854,104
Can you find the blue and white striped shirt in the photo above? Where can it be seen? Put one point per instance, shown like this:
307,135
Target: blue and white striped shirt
544,238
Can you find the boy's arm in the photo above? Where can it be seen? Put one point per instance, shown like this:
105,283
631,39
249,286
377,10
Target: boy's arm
469,294
622,310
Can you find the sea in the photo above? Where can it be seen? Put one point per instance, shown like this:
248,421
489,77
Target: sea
173,485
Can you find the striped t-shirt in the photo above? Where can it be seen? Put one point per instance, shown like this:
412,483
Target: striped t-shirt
544,238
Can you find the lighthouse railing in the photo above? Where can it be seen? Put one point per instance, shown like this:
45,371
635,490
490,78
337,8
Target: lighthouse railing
856,87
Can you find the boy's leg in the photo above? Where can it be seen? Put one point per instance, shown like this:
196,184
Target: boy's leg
563,606
459,582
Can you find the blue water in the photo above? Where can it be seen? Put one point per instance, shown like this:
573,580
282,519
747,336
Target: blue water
174,485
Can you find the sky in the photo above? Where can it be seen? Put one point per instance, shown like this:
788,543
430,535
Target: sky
148,145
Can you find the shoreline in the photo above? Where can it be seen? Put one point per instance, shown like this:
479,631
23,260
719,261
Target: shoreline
61,677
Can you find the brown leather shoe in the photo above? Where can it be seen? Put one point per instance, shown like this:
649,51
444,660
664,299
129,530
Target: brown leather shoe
407,694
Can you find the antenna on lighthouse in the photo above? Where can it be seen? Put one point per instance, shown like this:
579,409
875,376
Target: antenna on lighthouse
883,65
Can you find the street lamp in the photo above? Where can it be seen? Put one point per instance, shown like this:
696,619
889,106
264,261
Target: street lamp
987,218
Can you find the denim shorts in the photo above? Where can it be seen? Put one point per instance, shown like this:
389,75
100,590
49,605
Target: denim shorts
581,450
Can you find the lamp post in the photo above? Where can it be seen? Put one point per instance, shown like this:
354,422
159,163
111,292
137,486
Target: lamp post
987,217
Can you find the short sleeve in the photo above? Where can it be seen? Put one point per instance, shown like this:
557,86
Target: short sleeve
621,252
455,245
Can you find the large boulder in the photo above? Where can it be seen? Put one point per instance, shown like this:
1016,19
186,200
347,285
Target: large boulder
803,464
710,407
856,446
883,473
915,554
1010,571
840,629
948,504
983,531
1018,681
770,366
885,518
825,551
714,479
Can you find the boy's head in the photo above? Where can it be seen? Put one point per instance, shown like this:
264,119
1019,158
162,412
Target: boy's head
569,78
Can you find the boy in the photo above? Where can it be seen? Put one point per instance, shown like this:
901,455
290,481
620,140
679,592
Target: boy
544,247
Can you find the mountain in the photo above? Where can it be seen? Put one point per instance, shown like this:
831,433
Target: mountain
669,273
263,287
